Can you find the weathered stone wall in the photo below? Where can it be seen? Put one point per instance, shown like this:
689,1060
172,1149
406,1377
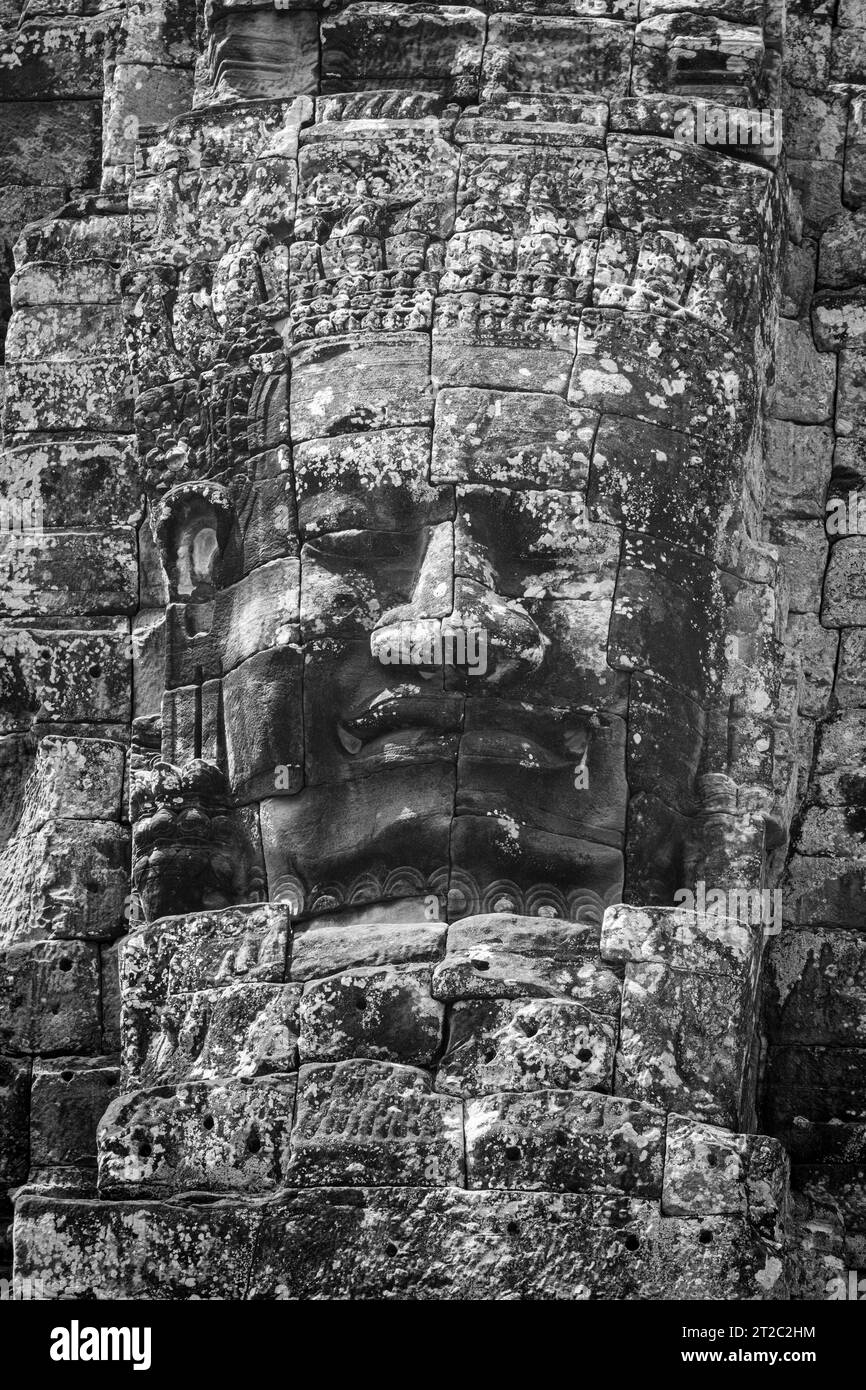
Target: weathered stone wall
422,316
814,1087
71,590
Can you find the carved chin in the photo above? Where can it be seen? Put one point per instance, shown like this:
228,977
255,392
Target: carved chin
397,836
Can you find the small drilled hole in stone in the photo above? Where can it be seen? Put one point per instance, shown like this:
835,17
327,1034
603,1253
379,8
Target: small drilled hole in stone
560,1138
512,1228
55,1009
712,1161
632,1242
65,963
66,1075
144,1151
95,670
706,1237
585,1054
513,1153
208,1121
390,1248
481,964
112,1078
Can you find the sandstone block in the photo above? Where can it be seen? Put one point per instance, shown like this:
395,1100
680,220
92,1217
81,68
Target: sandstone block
49,997
371,1122
68,878
517,439
68,1098
709,1171
805,378
855,154
851,676
326,950
234,1033
525,1045
799,460
385,1013
221,1137
79,676
685,1040
448,1244
564,1141
705,941
507,957
14,1119
103,1250
844,602
815,988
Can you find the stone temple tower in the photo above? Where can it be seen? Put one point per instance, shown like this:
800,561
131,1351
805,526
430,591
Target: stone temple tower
433,650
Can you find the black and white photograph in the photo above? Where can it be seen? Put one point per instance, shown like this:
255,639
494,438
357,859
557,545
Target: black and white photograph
432,667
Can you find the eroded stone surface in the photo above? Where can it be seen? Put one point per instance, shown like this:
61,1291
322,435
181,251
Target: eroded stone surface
384,1013
559,1140
373,1122
510,957
414,324
197,1137
711,1171
525,1045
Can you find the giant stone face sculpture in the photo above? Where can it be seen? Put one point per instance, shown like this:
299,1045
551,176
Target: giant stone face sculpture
456,654
405,507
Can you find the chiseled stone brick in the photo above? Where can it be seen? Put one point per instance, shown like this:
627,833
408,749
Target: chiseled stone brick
68,1098
359,1122
564,1141
805,377
525,1045
383,1012
218,1137
711,1172
500,956
49,997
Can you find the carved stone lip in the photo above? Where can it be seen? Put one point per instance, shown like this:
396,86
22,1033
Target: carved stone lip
411,717
515,750
439,714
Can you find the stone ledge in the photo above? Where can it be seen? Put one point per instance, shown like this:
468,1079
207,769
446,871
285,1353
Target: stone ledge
391,1244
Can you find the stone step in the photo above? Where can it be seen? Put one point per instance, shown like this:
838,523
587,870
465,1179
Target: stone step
405,1243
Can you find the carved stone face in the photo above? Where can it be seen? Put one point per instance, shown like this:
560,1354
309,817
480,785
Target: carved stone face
392,615
421,775
436,518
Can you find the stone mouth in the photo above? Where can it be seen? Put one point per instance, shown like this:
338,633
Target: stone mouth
404,714
512,750
421,721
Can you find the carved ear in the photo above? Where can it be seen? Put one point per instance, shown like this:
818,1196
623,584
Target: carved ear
195,527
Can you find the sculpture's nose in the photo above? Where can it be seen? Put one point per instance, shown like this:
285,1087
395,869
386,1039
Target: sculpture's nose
457,618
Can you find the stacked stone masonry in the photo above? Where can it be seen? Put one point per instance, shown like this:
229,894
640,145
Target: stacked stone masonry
813,1091
341,333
